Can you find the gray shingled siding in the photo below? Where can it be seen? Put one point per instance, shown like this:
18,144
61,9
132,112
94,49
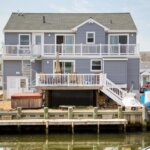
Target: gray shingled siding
90,27
47,66
13,38
116,70
133,73
10,67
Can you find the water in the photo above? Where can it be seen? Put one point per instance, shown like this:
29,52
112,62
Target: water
129,141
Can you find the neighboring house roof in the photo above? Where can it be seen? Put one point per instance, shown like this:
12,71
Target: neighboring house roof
145,56
68,21
144,66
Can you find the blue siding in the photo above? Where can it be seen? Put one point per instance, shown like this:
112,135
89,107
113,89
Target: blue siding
133,73
82,66
49,38
116,70
13,38
80,36
132,38
47,66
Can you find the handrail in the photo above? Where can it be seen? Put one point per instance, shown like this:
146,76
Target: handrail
115,89
71,49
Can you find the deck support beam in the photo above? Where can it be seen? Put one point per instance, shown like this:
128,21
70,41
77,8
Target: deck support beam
144,118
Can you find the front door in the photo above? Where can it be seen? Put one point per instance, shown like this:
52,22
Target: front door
16,84
37,44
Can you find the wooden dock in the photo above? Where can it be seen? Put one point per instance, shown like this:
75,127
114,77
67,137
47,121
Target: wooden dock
63,122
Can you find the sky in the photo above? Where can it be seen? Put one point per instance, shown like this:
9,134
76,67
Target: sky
139,9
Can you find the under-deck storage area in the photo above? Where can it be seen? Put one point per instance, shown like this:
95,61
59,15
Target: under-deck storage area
71,97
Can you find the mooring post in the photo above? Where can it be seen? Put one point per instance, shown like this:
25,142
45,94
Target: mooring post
45,112
46,125
70,110
72,128
95,110
98,127
19,112
144,118
119,112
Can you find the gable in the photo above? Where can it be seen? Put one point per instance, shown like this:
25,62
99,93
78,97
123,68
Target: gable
90,21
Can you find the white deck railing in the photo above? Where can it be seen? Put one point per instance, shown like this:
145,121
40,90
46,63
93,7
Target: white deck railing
67,79
71,49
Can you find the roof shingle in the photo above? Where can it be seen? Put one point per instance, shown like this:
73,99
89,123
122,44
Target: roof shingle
67,21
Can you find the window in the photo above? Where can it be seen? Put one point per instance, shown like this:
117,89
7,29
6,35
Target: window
90,37
22,83
96,65
24,39
66,66
118,39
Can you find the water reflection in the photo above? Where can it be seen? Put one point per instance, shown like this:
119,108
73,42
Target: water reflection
76,142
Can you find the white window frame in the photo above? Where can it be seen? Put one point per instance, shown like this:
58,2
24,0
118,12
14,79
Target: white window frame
25,34
109,35
87,38
73,61
92,63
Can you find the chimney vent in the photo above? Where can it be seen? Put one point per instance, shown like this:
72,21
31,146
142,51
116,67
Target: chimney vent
44,19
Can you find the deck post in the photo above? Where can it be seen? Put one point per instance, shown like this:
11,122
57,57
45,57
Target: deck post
46,97
70,110
95,110
119,112
19,112
45,112
144,118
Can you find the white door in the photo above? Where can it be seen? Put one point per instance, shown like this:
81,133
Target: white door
16,85
37,44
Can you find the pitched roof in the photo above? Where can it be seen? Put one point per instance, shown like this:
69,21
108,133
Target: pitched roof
67,21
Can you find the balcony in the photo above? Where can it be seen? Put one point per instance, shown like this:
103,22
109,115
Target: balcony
68,80
71,50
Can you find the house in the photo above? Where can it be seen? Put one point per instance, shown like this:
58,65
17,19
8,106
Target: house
98,53
144,68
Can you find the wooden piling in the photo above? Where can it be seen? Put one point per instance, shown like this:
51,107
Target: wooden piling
119,112
144,118
45,112
70,110
98,128
46,129
95,110
72,128
19,112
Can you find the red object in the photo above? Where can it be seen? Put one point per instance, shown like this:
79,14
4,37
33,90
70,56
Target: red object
146,85
26,96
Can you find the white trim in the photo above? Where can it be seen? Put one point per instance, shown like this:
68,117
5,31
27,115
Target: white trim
73,61
100,64
87,38
40,31
68,31
90,21
122,31
24,34
115,59
113,34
